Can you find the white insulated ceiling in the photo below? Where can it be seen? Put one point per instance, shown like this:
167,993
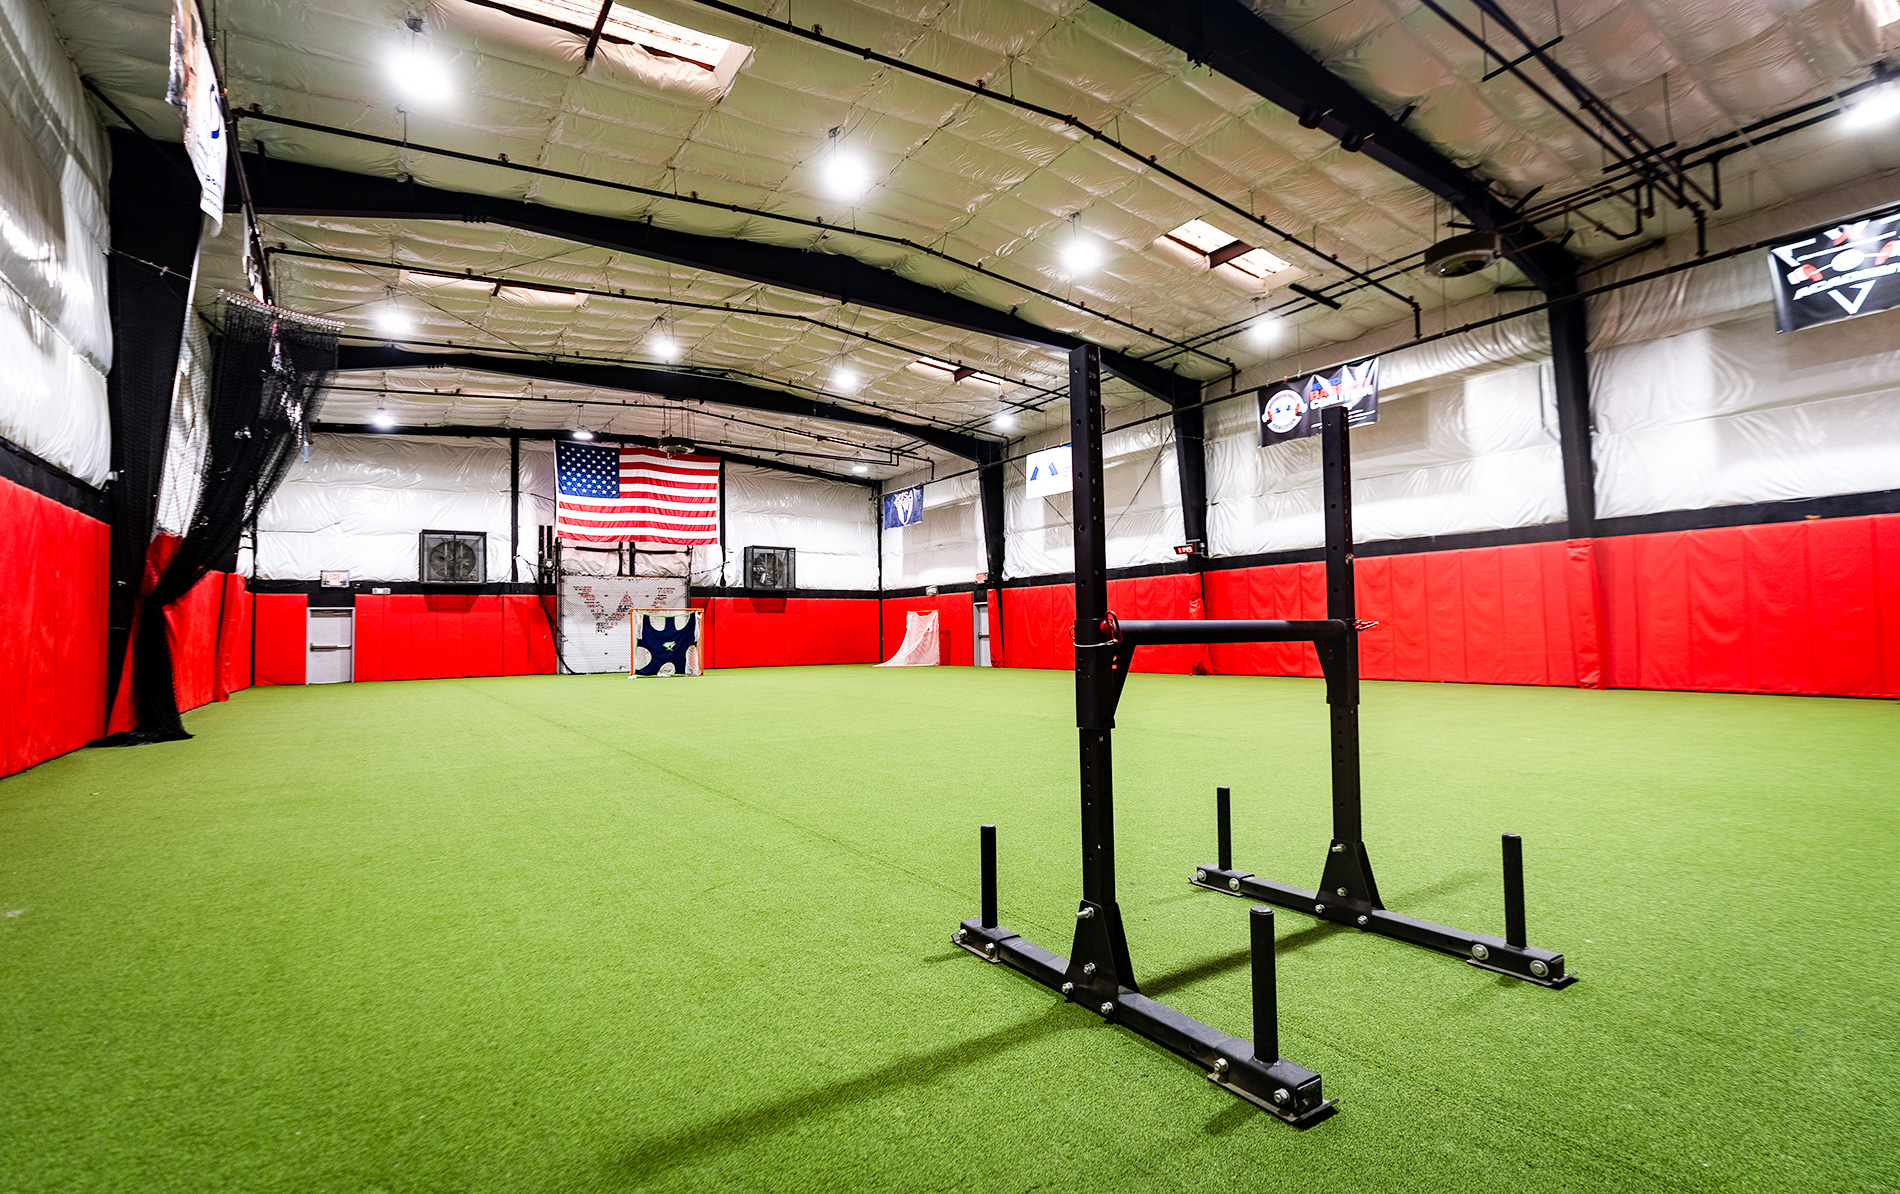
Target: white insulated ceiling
966,175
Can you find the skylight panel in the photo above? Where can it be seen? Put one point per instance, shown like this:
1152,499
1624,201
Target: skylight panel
959,374
626,26
1224,250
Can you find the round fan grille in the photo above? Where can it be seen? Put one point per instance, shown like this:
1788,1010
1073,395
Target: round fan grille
452,561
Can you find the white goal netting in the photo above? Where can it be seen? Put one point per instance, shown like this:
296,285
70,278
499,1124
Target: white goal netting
596,612
920,647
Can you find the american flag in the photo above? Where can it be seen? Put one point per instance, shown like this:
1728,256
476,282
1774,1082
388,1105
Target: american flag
613,495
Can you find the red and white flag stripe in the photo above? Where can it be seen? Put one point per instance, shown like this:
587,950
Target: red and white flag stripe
672,500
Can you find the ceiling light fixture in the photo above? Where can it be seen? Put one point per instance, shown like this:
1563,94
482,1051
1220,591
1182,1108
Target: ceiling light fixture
421,78
664,346
1080,254
847,175
1875,106
860,469
1266,330
1005,420
394,321
845,379
382,420
582,433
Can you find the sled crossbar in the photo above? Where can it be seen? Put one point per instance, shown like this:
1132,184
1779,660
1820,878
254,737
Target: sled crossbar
1188,631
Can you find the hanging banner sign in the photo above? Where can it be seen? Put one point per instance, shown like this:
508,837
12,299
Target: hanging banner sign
1046,472
905,508
1851,269
1291,409
192,88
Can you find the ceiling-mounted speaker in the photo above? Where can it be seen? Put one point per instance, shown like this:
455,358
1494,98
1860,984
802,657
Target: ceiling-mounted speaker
1456,256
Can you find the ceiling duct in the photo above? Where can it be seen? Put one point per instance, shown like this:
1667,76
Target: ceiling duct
1456,256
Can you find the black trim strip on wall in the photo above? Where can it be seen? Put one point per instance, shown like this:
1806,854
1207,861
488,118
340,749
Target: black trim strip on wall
333,598
42,476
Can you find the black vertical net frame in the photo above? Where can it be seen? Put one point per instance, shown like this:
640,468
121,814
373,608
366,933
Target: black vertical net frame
267,377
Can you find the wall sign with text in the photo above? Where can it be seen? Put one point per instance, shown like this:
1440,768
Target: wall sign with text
1291,409
1851,269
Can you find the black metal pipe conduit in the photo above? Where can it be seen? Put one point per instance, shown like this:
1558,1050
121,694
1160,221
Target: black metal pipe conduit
1189,631
1147,161
435,271
1711,154
740,209
1634,146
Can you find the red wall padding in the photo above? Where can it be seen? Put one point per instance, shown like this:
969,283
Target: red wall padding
192,623
415,637
1800,607
1795,607
52,628
280,626
1038,623
956,624
234,639
777,631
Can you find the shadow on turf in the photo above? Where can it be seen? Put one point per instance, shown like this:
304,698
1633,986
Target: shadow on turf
741,1128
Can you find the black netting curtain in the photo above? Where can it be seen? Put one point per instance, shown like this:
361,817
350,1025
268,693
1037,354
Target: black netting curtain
267,376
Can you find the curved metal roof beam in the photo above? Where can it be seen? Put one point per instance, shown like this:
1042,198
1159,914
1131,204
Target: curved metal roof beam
684,387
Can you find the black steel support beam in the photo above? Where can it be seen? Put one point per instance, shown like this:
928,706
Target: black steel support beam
290,188
467,431
1570,367
1190,460
989,484
1232,39
666,383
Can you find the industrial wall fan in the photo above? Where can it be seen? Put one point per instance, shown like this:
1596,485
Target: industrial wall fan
453,558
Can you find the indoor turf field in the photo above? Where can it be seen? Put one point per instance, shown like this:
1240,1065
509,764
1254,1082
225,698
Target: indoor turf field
570,934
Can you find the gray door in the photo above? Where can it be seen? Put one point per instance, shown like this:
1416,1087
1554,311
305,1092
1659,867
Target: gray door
332,637
982,636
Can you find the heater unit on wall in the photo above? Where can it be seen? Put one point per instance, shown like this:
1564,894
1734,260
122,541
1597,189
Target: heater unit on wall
452,558
769,569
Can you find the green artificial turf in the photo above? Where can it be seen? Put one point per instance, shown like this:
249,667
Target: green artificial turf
587,933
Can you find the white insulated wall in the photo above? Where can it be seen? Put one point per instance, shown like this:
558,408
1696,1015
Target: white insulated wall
55,332
946,547
1141,499
830,524
359,502
1699,402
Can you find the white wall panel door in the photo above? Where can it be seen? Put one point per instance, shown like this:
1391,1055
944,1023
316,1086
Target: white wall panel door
332,647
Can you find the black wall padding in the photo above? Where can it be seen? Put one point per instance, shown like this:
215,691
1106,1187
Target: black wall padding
155,223
269,369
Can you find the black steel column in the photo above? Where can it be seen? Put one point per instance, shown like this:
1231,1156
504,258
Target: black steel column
1190,460
989,485
514,509
1342,689
1570,366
